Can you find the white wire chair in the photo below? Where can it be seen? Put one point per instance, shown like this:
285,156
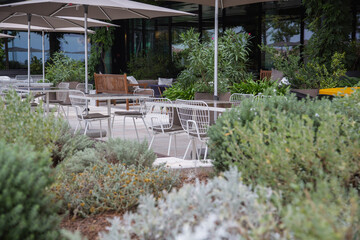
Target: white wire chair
195,120
135,114
82,114
161,113
81,87
237,98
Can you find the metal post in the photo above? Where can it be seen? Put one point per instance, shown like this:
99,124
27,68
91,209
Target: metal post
43,55
29,23
86,50
216,51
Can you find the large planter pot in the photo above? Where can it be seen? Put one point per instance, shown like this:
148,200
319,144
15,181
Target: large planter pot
210,96
313,93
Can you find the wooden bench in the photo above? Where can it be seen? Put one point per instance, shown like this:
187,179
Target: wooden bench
114,83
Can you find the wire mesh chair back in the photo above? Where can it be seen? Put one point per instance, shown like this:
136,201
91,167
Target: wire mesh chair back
62,95
75,101
237,98
194,116
81,87
161,113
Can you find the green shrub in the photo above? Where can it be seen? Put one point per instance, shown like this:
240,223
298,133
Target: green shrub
126,152
69,143
19,123
64,69
177,91
325,212
223,208
27,211
284,143
78,162
36,65
110,187
249,86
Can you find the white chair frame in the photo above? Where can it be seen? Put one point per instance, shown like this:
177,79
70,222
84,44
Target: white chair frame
195,120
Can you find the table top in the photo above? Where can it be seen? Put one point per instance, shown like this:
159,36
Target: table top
110,96
217,106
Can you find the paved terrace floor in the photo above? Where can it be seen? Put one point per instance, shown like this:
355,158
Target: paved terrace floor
161,142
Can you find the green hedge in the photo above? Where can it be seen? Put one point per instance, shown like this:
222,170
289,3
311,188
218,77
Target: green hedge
286,144
27,211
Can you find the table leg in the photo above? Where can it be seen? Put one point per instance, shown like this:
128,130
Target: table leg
109,120
47,103
194,151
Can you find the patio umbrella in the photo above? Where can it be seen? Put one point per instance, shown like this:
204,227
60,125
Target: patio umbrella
2,35
47,22
220,4
23,27
104,9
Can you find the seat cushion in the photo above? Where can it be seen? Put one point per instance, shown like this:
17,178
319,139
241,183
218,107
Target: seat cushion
55,101
94,116
65,104
175,128
201,135
128,113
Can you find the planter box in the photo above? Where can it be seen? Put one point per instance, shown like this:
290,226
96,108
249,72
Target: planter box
313,93
210,96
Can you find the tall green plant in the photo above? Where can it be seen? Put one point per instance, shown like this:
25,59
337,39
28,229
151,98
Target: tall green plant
330,22
199,60
63,68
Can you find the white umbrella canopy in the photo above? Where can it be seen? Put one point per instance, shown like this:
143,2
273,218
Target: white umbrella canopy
104,9
220,4
2,35
48,22
23,27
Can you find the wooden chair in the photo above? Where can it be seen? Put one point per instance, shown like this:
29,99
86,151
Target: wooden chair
114,83
264,74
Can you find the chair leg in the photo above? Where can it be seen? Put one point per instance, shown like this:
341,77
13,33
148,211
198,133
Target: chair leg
168,153
100,130
124,127
152,140
206,150
175,145
137,134
187,149
86,127
147,129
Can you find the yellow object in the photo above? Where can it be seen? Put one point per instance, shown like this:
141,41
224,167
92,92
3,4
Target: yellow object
338,91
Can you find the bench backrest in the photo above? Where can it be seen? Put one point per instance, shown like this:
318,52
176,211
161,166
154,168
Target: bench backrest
111,83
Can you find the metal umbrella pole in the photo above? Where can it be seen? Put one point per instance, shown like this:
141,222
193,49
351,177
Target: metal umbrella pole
29,22
43,54
216,97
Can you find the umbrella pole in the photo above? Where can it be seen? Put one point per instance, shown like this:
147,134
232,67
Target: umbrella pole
29,22
86,50
216,51
43,55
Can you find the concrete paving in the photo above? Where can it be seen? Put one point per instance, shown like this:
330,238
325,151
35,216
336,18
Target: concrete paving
160,144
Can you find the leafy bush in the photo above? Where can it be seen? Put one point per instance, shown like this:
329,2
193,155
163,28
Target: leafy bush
312,74
224,208
27,211
19,123
36,65
64,69
176,91
233,58
284,143
326,212
126,152
249,86
69,143
106,186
